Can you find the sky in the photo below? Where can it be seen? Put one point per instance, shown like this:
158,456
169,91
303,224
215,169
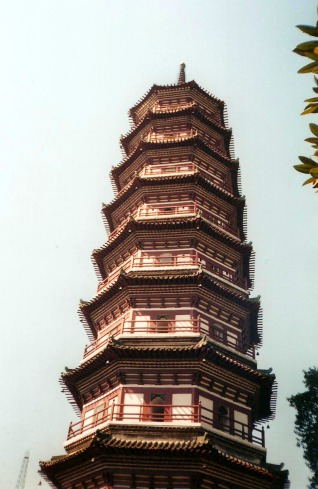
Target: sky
70,70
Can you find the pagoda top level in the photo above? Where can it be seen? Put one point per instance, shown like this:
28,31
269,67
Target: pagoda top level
165,97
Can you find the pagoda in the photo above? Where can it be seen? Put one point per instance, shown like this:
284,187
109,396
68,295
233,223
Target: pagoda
168,392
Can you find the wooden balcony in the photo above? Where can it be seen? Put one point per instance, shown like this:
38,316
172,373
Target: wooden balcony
211,177
114,274
168,136
221,223
152,212
142,327
174,211
162,261
225,273
186,168
218,334
172,106
151,262
169,210
166,413
171,327
167,169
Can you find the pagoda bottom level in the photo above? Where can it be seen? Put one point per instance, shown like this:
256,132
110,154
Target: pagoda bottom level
168,393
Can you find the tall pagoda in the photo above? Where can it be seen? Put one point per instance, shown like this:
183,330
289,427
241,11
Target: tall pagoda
168,392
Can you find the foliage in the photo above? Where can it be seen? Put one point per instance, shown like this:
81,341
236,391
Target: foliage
306,424
309,49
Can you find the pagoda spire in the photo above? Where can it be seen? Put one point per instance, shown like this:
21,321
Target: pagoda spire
181,78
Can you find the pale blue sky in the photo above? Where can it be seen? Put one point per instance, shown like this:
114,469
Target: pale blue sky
70,70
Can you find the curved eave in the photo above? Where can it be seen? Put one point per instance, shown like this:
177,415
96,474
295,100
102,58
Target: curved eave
156,116
196,179
182,86
196,278
181,223
102,444
195,141
202,350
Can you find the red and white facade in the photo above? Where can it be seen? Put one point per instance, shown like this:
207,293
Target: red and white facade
168,392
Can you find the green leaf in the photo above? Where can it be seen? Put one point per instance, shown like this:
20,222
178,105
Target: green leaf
313,128
311,55
307,161
308,29
301,52
312,140
310,110
309,68
314,172
310,180
312,104
315,89
306,46
313,99
303,168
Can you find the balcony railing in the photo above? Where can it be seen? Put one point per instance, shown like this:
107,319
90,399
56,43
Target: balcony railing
171,107
175,261
150,262
180,261
136,413
114,273
113,329
225,273
232,427
167,211
222,336
167,326
161,137
218,221
214,179
136,327
167,413
167,169
189,260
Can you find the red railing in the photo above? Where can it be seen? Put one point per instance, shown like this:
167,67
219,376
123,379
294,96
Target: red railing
163,413
222,336
159,326
167,326
155,213
167,169
155,261
225,273
175,261
113,329
114,273
167,413
218,222
165,261
169,136
182,168
167,210
120,227
171,107
214,178
235,428
172,210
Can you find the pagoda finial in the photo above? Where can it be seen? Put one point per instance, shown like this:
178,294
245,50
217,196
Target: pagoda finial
181,74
